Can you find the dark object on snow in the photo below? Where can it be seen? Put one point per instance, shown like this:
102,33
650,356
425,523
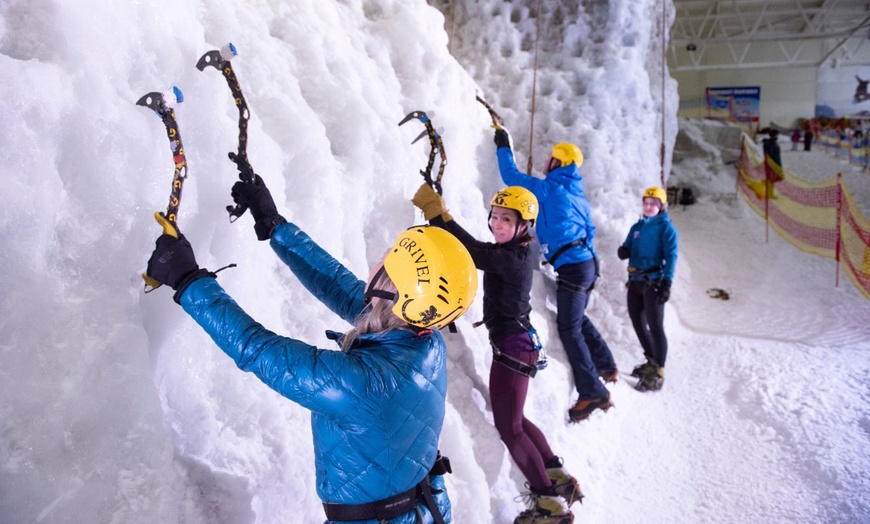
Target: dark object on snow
715,292
687,197
681,195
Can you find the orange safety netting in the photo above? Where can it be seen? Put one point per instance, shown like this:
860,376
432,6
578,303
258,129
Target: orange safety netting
819,218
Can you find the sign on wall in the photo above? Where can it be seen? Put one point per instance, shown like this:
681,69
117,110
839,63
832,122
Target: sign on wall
735,104
843,92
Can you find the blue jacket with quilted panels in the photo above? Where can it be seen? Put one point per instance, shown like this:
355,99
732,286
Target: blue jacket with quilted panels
376,410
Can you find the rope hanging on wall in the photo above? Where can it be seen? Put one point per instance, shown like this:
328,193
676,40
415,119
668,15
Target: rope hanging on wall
451,24
534,86
664,61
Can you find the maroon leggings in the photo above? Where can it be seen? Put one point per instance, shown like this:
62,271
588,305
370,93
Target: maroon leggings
507,392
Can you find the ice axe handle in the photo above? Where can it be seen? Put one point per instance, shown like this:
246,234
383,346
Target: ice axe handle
169,228
235,212
245,175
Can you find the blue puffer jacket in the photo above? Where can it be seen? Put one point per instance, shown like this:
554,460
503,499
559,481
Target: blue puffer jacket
564,209
377,410
653,243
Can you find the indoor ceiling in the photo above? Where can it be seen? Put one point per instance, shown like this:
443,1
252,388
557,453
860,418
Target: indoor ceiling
743,34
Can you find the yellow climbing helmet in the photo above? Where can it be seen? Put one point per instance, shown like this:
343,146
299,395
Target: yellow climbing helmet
519,199
567,154
656,192
434,274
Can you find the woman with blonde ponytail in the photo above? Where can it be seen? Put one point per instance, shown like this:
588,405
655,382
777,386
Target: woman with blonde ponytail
377,406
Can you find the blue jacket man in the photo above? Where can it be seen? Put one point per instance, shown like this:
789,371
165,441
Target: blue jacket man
566,233
565,212
378,405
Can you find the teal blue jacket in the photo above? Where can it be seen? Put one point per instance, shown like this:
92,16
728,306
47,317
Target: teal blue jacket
654,244
376,410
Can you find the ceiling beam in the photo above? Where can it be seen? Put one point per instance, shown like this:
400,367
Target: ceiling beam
731,34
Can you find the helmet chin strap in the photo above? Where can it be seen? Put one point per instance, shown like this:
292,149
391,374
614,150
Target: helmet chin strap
525,225
552,164
379,293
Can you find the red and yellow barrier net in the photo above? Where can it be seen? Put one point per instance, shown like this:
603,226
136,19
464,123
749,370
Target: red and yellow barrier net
820,218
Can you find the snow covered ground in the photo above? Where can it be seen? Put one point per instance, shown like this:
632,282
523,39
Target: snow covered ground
115,407
771,385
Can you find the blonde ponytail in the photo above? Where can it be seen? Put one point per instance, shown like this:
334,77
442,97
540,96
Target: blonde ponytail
377,318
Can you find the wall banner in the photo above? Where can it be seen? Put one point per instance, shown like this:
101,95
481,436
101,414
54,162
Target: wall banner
735,104
843,92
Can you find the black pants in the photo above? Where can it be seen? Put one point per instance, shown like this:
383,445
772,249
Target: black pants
648,318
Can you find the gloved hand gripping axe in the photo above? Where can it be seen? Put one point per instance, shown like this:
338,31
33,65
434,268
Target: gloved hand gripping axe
220,59
437,147
164,110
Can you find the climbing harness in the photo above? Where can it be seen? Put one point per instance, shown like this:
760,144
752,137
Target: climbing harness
561,251
541,363
633,271
157,102
513,364
220,59
397,505
516,364
437,147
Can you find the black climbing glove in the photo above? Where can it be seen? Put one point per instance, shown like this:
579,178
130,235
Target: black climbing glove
502,139
663,290
623,252
172,263
256,197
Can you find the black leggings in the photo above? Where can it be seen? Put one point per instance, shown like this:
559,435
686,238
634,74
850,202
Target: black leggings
648,318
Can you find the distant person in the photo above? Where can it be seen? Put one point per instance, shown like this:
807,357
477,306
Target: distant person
377,406
808,139
770,145
508,267
651,250
566,233
772,169
795,139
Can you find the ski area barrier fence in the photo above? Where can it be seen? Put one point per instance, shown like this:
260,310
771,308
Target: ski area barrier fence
820,218
855,149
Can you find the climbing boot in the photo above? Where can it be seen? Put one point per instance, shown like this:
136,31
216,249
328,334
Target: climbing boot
545,507
565,485
584,407
652,381
610,375
643,369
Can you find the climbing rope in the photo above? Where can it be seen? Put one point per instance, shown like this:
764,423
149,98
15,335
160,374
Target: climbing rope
451,24
534,87
664,61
